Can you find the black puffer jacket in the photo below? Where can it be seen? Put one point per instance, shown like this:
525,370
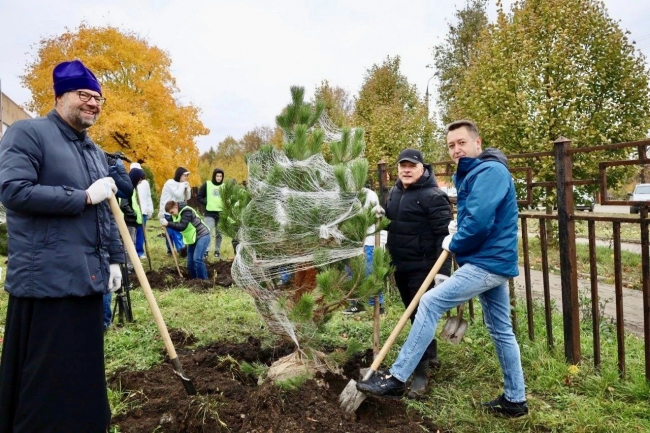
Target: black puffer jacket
420,217
189,217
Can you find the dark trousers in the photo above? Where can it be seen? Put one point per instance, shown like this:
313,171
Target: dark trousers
139,236
52,370
408,284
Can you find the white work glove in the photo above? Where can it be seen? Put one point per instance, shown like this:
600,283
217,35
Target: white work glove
115,278
439,279
164,222
453,227
101,190
378,211
446,241
188,190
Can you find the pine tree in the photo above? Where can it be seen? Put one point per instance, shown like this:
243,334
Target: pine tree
302,232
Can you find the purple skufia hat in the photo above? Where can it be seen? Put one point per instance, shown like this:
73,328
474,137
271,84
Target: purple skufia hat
73,75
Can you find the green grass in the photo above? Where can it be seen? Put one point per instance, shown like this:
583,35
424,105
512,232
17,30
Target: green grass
561,397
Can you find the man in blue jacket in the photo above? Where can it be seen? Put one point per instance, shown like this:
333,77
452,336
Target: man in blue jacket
485,243
64,254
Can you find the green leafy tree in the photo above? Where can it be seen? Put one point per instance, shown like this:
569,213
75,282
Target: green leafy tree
453,57
392,114
556,68
339,106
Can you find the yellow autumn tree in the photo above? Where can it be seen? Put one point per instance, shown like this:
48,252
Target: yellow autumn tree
141,117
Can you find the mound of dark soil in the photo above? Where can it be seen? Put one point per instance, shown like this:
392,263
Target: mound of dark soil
230,400
168,278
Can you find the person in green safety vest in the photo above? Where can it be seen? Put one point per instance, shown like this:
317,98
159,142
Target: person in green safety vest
131,208
195,235
210,195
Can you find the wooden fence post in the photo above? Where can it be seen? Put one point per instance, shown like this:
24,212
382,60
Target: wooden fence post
567,238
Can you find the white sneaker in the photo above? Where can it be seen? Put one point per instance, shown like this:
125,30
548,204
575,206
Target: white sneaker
144,256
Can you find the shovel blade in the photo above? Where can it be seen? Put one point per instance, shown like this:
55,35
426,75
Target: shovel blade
454,329
351,398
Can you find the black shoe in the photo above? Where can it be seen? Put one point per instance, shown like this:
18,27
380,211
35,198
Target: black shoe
382,311
217,255
355,308
420,380
433,354
507,408
382,384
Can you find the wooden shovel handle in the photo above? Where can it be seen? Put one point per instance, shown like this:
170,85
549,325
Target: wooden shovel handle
407,313
139,271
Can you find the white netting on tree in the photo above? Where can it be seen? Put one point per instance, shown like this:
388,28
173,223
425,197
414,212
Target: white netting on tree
330,130
292,223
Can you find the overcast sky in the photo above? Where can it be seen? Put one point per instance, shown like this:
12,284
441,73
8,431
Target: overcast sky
237,59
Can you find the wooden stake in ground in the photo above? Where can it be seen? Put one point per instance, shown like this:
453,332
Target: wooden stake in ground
144,283
172,248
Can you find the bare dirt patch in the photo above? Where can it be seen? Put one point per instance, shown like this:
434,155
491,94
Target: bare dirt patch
167,278
230,400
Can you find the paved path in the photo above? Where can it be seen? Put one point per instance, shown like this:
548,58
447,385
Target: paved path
632,299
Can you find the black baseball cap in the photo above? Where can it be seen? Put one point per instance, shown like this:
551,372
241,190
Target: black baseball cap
411,155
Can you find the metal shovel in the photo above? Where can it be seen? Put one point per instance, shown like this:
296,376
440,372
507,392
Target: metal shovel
455,328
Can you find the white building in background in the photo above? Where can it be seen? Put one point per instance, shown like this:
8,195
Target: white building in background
10,112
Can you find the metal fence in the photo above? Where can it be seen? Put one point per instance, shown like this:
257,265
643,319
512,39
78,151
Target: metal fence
566,234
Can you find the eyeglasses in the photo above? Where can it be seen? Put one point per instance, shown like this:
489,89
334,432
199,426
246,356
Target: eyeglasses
85,97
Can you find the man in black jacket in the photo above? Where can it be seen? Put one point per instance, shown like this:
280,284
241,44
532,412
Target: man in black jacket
420,214
64,254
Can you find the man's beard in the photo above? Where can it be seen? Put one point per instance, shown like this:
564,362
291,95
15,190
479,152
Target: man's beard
84,122
73,116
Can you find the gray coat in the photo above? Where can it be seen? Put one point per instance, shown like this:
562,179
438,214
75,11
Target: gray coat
58,245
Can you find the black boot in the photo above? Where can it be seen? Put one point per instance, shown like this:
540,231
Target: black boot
420,379
432,351
504,407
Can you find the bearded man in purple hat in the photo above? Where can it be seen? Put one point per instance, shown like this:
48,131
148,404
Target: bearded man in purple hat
64,250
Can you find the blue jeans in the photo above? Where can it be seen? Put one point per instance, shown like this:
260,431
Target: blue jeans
466,283
176,237
139,237
195,254
107,309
